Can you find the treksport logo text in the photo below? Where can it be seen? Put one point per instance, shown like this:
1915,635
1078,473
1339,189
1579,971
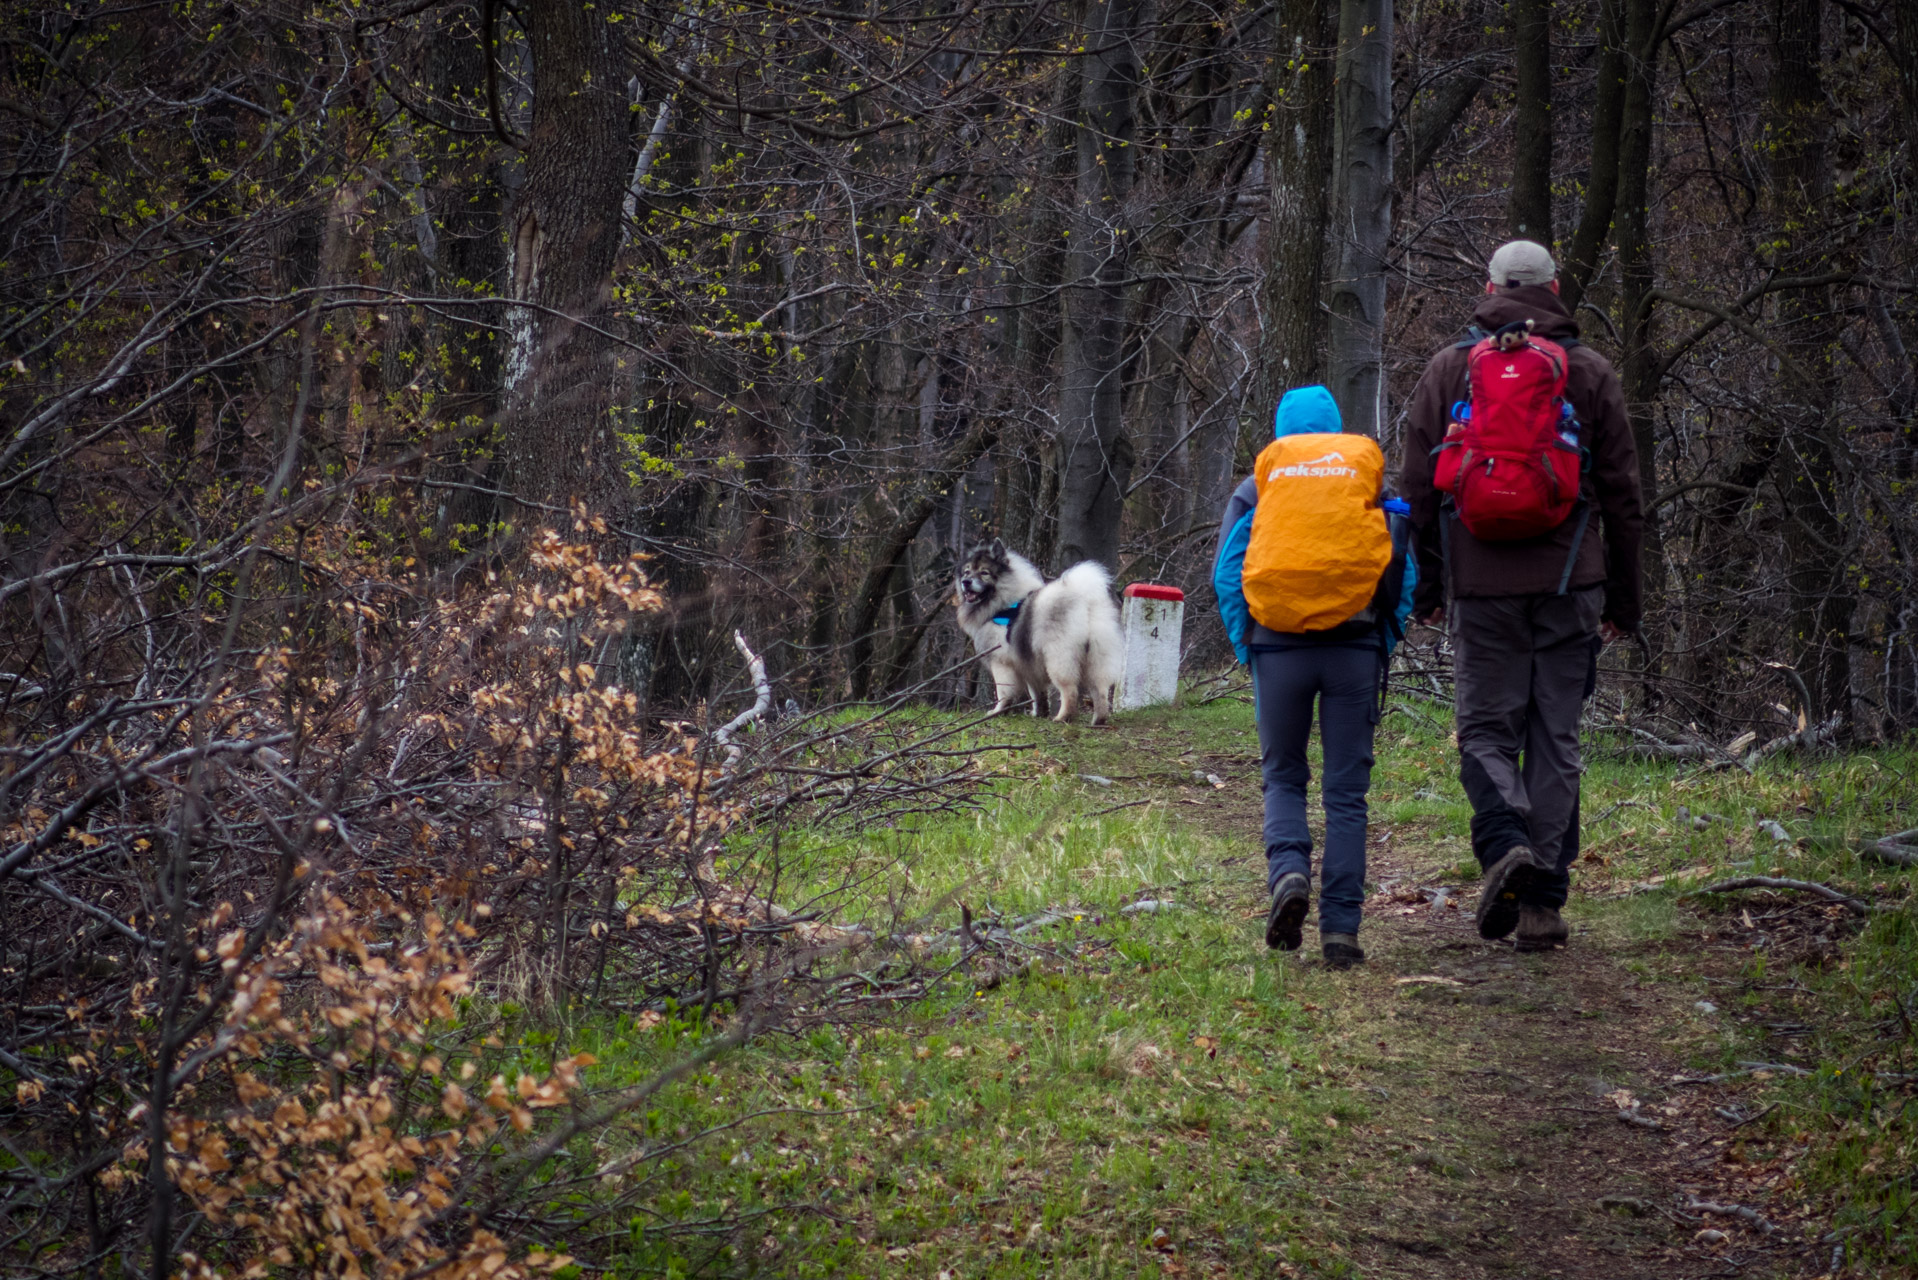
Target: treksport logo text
1331,464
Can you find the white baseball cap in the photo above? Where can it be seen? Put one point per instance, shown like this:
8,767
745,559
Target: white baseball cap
1521,262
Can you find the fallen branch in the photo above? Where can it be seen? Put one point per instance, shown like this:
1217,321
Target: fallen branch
1744,1069
757,666
1824,891
1650,746
1435,979
1900,850
1738,1211
1817,735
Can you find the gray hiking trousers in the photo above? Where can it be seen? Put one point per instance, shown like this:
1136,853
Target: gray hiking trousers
1522,665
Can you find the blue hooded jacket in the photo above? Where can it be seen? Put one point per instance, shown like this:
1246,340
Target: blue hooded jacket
1302,410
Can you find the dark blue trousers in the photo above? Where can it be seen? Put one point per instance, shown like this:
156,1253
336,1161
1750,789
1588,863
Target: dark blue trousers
1343,681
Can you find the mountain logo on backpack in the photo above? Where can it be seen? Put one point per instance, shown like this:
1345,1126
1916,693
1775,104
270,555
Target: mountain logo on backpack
1331,464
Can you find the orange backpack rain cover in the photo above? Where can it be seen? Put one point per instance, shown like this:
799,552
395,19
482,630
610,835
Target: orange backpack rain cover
1319,541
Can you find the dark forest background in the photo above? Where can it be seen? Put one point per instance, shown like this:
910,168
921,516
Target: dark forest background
803,300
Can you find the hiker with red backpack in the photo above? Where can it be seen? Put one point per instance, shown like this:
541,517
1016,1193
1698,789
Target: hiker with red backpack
1523,480
1314,578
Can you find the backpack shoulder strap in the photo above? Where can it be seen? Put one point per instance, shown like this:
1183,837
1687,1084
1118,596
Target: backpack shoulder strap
1578,538
1473,336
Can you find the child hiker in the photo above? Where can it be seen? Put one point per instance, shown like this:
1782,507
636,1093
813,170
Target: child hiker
1314,582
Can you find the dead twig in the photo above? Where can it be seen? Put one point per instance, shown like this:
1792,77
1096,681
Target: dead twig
1741,1122
966,935
1114,808
1228,687
1824,891
1744,1069
1612,809
1738,1211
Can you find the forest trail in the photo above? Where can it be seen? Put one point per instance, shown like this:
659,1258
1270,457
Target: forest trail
1498,1086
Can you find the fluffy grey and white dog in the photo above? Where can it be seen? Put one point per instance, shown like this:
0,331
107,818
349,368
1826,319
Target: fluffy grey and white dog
1034,633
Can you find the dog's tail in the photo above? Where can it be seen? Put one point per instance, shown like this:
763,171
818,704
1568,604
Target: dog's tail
1091,586
1087,579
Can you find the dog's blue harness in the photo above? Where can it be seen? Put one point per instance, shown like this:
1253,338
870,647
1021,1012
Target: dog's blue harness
1005,616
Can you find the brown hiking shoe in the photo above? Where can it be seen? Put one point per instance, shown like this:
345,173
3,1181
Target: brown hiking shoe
1505,882
1540,929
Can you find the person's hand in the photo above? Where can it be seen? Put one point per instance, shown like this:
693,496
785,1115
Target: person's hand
1436,618
1608,632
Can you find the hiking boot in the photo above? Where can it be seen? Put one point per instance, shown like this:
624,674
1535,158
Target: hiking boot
1540,929
1341,950
1505,882
1291,899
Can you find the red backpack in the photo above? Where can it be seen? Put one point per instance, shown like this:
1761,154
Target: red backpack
1511,457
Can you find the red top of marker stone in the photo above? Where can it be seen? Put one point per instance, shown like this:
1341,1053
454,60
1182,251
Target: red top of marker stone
1154,591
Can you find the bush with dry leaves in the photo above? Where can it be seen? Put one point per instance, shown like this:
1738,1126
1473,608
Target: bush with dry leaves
277,850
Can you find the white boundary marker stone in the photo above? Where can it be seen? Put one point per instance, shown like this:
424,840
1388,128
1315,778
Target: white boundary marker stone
1153,616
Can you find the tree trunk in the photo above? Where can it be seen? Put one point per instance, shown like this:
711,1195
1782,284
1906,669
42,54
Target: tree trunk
1097,462
1905,51
1532,123
1361,211
1797,138
1642,367
1298,162
1580,261
461,220
562,371
916,506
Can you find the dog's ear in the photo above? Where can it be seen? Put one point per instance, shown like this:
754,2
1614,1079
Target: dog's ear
998,549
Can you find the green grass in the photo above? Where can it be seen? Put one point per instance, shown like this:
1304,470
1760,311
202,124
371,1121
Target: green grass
1155,1094
1154,1073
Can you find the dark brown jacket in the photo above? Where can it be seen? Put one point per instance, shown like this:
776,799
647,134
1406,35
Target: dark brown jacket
1535,565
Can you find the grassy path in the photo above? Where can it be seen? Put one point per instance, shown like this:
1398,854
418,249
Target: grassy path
1494,1143
1149,1091
1491,1082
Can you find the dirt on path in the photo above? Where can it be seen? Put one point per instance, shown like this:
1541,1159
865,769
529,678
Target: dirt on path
1529,1115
